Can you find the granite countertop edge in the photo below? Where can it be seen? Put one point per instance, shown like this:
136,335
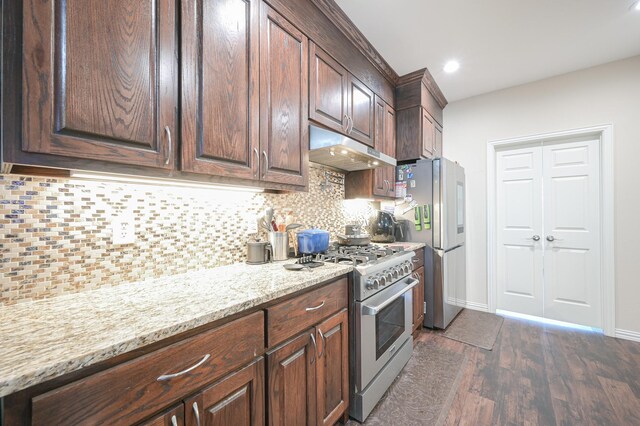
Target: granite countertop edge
24,377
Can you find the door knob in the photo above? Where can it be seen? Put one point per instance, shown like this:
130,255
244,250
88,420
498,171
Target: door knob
536,238
550,238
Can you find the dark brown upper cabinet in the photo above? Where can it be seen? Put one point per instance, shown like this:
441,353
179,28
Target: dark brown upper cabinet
328,82
220,87
378,183
428,134
417,134
380,175
338,100
437,142
100,81
419,117
361,109
284,100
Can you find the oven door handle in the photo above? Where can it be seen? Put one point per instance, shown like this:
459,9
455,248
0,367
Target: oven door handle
374,310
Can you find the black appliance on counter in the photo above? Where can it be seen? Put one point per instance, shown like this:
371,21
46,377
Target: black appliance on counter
383,228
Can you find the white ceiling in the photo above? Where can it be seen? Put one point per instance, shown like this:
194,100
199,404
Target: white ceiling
499,43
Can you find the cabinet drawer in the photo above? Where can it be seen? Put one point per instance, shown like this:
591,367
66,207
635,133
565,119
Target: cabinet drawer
292,316
134,390
418,259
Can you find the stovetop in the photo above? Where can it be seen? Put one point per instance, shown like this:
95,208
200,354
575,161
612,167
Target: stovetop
375,267
357,255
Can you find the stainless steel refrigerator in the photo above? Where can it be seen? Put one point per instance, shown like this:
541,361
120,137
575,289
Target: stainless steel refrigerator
433,212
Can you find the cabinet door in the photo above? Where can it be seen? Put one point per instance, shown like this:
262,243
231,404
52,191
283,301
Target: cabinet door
333,368
284,109
390,147
437,150
328,82
236,400
292,382
418,299
100,80
380,174
428,134
172,417
361,111
220,81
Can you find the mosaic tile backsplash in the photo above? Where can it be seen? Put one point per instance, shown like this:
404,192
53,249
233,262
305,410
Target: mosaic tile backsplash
56,234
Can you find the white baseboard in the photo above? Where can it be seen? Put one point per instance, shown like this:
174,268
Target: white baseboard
474,305
627,335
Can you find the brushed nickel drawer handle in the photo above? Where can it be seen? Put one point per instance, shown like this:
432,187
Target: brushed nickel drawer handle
324,343
315,348
315,308
180,373
167,130
174,421
266,163
258,159
196,412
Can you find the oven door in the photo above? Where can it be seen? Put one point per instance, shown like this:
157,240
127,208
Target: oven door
383,323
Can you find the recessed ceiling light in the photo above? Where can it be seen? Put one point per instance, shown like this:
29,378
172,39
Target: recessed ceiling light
451,66
637,6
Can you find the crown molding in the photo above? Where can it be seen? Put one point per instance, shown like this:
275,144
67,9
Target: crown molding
346,26
427,79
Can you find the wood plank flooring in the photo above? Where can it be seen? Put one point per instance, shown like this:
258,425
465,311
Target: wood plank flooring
546,375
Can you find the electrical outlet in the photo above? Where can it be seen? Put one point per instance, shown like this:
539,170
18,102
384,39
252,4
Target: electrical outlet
124,229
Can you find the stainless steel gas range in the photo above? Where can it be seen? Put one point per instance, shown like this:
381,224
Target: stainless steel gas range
380,320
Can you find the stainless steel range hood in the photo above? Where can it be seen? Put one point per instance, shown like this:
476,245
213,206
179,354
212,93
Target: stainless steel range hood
343,153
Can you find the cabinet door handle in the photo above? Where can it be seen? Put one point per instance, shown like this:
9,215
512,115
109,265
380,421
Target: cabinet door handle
266,163
258,161
315,348
345,126
174,420
180,373
196,412
167,130
315,308
350,125
324,342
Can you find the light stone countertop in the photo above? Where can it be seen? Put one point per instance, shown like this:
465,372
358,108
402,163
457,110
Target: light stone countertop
408,246
45,339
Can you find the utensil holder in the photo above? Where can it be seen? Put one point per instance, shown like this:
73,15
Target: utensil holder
279,245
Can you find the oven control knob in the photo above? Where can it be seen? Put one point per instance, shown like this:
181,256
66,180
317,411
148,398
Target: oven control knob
406,268
398,271
383,280
372,284
389,276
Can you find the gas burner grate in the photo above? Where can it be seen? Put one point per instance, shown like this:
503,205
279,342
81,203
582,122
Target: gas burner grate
356,255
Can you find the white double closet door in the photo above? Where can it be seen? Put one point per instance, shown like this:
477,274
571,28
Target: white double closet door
548,222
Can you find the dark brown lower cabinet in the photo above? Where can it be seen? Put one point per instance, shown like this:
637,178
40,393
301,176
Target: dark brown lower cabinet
292,382
171,417
238,399
218,376
309,375
332,369
418,300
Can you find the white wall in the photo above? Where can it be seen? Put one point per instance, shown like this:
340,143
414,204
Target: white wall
606,94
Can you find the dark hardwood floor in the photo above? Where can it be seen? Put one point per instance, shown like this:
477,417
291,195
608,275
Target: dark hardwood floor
546,375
